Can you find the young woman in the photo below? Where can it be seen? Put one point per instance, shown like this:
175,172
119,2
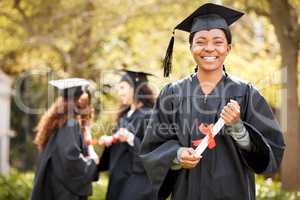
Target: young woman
66,166
127,177
251,141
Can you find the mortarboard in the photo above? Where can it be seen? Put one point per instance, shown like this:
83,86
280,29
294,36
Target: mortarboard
135,77
206,17
70,87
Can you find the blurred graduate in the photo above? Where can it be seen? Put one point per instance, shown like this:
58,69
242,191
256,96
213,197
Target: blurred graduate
66,165
127,177
250,142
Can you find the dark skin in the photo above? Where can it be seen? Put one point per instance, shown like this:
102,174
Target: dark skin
209,49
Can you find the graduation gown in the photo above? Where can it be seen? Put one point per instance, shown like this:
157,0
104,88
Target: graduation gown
127,176
224,172
63,171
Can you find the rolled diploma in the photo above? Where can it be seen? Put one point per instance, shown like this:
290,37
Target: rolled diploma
204,142
109,138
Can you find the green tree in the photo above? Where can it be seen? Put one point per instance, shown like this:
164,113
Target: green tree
85,38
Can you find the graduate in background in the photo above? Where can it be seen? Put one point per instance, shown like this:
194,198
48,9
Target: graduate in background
66,166
127,176
251,141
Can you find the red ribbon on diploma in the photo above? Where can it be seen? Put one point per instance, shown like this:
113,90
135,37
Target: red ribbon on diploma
206,130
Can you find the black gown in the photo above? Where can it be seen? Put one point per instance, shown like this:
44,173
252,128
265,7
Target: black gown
63,171
127,176
224,172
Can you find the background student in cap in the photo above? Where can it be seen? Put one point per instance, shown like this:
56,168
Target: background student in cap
66,166
251,141
127,176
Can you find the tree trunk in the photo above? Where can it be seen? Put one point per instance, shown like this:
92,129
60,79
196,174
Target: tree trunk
290,166
284,21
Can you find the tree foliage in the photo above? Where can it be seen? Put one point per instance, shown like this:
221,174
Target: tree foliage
89,39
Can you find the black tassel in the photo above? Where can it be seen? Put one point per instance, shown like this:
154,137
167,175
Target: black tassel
225,71
167,64
196,69
224,68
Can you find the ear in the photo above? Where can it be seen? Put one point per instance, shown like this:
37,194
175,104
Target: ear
228,48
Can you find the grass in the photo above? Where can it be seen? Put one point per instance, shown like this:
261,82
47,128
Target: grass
17,186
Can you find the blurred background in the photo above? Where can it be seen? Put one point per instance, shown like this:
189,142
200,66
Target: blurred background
41,40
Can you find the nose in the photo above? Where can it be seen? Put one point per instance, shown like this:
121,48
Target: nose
209,47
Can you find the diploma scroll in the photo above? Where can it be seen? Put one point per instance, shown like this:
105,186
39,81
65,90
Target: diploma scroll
204,142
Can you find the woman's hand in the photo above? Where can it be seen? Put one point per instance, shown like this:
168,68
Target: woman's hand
231,113
87,133
95,158
92,154
188,158
105,140
123,137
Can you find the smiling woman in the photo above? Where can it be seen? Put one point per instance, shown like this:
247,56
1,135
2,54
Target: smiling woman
209,49
251,140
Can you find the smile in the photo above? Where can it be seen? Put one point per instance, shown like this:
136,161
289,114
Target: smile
209,58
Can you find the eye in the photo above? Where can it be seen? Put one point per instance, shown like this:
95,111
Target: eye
219,42
199,42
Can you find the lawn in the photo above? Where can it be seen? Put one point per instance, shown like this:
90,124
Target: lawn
17,186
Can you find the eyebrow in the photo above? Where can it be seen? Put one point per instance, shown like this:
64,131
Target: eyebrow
216,37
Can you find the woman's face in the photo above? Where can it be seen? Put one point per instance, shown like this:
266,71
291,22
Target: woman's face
209,49
125,91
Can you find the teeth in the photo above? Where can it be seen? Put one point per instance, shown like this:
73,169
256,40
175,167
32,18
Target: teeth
209,58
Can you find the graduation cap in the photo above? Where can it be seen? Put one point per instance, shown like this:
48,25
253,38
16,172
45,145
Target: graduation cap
206,17
70,87
135,78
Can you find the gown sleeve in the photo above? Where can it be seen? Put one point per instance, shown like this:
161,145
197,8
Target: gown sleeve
41,184
138,127
105,159
265,134
74,171
160,143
